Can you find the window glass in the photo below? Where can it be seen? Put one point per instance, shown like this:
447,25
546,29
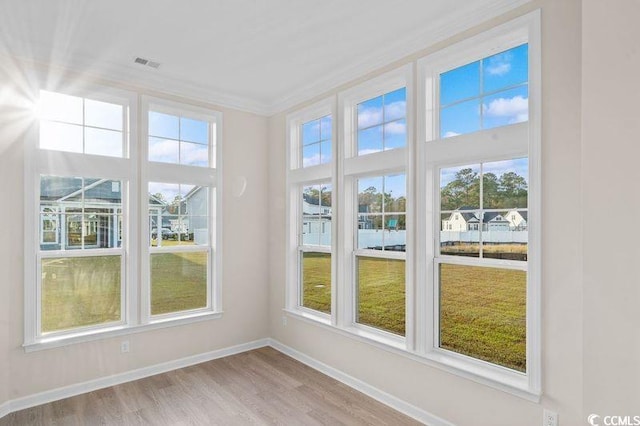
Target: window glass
80,292
178,281
74,124
178,215
483,313
381,294
316,142
382,123
178,140
485,94
316,281
382,213
89,208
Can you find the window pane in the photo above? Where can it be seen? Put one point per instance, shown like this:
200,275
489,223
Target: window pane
395,194
460,233
60,107
325,128
370,113
194,131
80,291
395,105
90,210
164,125
311,155
370,195
316,215
395,134
460,118
506,69
194,154
460,83
370,235
164,150
503,108
370,140
178,282
460,187
61,136
103,114
316,281
505,235
483,313
103,142
325,151
505,184
178,214
381,294
311,132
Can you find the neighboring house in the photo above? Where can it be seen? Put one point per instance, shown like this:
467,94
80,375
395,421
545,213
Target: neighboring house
196,215
517,219
316,217
461,220
466,219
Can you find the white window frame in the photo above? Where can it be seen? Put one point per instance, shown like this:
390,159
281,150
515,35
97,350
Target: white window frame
61,163
352,167
209,177
297,178
133,170
501,143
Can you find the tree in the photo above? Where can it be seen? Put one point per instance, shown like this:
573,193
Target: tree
513,190
464,190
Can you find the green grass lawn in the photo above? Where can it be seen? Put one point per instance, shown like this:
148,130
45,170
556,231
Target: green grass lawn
84,291
483,310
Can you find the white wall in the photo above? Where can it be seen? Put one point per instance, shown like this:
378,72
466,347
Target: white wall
245,270
448,396
611,151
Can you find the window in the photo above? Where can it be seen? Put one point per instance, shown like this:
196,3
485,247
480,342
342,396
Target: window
437,248
82,280
483,269
311,200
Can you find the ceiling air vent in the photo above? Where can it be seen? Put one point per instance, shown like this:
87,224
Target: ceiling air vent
147,62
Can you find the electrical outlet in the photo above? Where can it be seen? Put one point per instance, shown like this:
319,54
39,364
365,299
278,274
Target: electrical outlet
549,418
284,320
124,346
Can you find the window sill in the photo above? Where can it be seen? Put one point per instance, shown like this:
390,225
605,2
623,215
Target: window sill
494,376
119,330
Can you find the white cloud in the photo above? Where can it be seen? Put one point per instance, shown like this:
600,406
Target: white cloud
499,69
450,134
516,109
369,117
314,160
396,128
500,65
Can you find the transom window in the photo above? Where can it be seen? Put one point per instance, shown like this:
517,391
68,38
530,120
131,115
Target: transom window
82,125
316,142
484,94
382,123
178,140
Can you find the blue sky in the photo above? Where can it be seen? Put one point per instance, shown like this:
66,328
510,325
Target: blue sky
484,94
174,139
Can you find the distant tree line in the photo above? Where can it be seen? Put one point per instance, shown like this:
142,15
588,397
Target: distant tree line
507,191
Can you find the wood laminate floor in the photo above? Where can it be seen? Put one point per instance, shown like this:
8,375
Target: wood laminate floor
258,387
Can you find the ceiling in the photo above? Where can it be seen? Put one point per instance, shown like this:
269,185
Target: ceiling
258,55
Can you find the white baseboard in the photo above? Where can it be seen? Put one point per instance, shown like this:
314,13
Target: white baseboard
375,393
104,382
5,408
